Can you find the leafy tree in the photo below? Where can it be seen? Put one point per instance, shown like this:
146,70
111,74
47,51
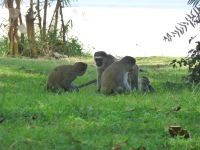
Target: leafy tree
193,58
51,37
193,63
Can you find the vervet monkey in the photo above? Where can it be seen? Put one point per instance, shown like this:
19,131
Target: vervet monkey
61,77
145,85
115,78
102,61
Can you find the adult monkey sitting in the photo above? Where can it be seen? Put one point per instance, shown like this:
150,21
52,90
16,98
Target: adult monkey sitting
115,78
103,60
61,77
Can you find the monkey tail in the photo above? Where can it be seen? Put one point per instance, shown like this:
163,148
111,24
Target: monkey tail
87,83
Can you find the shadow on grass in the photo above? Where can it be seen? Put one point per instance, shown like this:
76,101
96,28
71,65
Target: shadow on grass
157,66
174,87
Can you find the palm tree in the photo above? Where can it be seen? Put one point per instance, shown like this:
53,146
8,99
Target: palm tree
60,4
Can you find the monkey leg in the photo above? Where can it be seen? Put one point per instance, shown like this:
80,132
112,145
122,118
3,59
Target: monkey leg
67,86
134,85
53,88
98,82
119,90
72,88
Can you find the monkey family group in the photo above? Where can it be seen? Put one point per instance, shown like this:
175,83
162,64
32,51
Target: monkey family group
113,76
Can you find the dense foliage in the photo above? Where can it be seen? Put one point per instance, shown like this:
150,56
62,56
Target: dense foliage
3,45
39,37
193,63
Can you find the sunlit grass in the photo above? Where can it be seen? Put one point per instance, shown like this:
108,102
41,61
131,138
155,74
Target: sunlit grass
37,119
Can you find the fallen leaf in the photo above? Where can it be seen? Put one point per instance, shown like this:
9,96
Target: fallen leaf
176,130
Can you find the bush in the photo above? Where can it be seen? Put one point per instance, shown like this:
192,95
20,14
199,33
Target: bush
72,47
53,43
3,46
193,63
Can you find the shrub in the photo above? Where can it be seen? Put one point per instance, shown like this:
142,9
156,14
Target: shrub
3,46
193,63
72,47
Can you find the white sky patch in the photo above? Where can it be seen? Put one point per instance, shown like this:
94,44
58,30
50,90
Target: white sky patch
130,31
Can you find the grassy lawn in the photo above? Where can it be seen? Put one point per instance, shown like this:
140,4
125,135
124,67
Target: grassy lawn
33,119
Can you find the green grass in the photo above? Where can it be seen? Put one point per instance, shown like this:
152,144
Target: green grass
38,120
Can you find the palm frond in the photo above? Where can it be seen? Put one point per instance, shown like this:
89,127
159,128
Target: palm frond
193,2
192,19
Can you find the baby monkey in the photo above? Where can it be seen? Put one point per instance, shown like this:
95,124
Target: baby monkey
145,85
61,78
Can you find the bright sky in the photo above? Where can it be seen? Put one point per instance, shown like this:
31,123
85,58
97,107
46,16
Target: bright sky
132,3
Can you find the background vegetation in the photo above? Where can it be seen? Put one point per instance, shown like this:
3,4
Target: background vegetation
37,37
192,61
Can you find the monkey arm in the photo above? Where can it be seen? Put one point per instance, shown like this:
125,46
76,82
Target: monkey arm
73,87
67,84
98,81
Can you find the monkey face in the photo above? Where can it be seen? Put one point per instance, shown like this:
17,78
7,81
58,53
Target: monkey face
99,61
80,68
99,57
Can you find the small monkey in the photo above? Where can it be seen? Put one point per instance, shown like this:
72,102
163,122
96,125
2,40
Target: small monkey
115,78
102,61
61,77
145,85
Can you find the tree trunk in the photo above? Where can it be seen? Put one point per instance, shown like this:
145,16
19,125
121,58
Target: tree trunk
21,43
45,20
30,30
56,15
62,24
13,42
39,18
